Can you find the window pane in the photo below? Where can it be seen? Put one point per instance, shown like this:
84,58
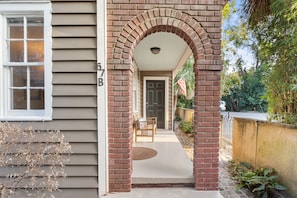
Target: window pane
16,51
35,51
37,98
35,28
19,76
37,76
19,99
15,28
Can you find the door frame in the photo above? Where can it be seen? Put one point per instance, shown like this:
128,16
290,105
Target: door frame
166,79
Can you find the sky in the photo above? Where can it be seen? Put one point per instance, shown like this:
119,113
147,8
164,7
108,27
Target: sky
245,53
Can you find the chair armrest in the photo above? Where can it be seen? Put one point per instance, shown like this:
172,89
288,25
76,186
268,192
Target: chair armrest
152,120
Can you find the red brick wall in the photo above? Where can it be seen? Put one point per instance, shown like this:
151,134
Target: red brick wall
198,22
206,127
119,128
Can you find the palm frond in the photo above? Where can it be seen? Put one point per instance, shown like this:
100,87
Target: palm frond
256,10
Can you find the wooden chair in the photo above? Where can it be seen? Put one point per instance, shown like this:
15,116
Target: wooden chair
145,127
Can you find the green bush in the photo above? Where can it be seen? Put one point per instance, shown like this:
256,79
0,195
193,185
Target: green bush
177,118
186,127
287,118
260,181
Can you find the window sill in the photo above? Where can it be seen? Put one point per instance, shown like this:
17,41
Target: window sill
27,118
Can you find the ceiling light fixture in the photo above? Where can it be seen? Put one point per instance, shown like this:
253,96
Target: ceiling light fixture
155,50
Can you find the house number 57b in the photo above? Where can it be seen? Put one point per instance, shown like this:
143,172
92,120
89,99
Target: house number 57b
102,70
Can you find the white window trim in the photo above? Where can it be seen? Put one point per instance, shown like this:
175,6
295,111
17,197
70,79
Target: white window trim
27,8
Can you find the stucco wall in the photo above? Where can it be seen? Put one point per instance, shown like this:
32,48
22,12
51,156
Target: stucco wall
266,144
185,114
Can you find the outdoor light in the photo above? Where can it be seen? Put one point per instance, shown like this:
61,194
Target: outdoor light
155,50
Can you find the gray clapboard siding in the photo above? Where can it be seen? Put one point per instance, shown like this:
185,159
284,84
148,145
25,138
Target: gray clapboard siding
74,113
56,1
77,66
76,171
75,102
32,0
74,31
75,90
77,193
74,93
84,148
80,136
81,171
74,19
66,193
76,7
74,54
75,182
74,125
75,78
79,182
82,160
70,43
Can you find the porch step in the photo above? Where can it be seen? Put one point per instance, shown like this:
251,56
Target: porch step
163,185
163,181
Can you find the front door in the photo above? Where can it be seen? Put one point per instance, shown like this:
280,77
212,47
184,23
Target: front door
155,100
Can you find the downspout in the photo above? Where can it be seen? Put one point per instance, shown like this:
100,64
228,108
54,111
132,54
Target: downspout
102,125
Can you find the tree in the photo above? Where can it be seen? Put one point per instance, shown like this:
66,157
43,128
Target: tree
273,24
276,34
241,85
256,10
245,93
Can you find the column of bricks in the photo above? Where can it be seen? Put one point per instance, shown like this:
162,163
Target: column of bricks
120,129
206,127
198,22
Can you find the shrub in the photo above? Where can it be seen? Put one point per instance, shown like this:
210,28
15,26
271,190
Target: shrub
260,181
31,162
177,118
186,127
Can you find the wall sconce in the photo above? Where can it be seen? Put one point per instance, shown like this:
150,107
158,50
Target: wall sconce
155,50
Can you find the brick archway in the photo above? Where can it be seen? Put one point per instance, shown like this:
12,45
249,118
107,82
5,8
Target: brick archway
207,92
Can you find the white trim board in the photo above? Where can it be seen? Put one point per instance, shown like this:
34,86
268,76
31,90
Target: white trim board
102,125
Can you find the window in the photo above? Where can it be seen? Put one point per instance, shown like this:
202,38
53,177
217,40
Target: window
25,69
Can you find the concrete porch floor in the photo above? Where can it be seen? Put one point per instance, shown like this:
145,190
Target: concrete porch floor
170,166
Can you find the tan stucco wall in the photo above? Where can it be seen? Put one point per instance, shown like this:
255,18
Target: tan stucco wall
185,114
244,141
266,144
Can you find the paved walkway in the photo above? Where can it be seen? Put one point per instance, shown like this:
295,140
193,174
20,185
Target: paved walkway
227,186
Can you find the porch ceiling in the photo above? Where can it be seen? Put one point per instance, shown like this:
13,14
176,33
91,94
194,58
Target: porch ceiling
174,52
